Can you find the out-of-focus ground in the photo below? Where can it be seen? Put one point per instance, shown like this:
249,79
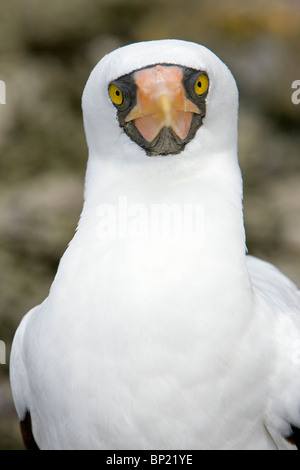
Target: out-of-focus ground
47,50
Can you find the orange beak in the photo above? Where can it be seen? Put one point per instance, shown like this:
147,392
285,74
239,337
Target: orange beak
161,102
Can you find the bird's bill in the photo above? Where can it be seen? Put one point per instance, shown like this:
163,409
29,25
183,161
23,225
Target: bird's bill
161,102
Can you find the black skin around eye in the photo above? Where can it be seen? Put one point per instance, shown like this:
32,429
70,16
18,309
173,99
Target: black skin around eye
128,87
190,77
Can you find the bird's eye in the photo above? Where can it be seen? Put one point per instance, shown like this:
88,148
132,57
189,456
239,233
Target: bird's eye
201,84
115,94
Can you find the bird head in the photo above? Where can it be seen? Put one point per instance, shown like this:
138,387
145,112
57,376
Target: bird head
160,99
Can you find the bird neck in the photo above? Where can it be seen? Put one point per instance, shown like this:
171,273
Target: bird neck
193,270
174,261
179,205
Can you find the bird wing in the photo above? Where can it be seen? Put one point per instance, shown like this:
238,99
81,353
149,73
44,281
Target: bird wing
19,381
279,296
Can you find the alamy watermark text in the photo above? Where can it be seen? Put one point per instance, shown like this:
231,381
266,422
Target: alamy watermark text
136,221
296,94
2,92
2,352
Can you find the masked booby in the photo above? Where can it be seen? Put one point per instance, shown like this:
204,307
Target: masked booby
159,332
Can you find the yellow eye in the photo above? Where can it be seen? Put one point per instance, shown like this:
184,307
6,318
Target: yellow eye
201,84
115,94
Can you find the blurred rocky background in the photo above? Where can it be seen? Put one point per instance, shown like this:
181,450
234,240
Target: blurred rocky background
47,50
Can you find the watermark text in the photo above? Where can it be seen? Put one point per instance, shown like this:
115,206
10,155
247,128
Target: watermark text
2,352
2,92
137,221
296,94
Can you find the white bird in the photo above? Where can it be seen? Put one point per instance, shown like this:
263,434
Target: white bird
159,332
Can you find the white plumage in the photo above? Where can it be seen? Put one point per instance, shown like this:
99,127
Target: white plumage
151,342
